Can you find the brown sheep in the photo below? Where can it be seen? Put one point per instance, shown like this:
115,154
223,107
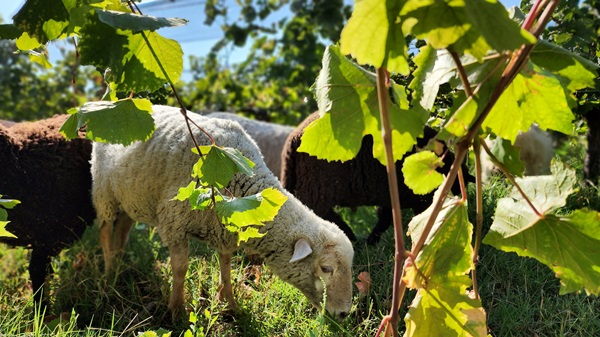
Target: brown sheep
321,185
51,177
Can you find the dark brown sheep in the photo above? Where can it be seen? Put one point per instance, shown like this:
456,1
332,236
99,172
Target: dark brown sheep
321,185
51,177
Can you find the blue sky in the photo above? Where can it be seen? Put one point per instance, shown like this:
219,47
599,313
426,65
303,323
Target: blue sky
195,38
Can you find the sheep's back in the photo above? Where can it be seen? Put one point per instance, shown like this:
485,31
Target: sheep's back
144,177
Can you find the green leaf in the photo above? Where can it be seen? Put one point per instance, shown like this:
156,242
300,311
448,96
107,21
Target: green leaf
9,32
43,20
444,261
373,35
220,164
132,58
347,98
508,155
534,96
566,244
419,170
121,122
6,204
574,71
467,26
254,210
9,203
136,22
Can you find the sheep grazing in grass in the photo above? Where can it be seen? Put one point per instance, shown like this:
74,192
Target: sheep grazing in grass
321,185
138,182
536,152
51,177
269,137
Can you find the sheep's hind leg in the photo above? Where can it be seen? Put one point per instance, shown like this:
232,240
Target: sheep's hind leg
106,241
39,267
226,289
179,264
122,227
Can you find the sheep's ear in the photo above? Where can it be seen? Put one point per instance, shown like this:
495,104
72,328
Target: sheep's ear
301,250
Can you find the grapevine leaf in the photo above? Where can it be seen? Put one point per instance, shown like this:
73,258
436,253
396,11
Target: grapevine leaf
373,35
578,72
535,95
121,122
199,197
347,98
437,67
508,155
132,58
43,20
444,262
220,164
9,32
429,76
161,56
4,232
136,22
254,210
566,244
39,58
471,26
8,203
419,170
26,42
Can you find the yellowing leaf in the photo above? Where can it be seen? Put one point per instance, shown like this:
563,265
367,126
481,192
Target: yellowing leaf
238,214
4,232
442,283
419,170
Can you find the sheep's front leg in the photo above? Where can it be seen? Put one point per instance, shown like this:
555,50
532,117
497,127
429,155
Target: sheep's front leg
226,289
179,264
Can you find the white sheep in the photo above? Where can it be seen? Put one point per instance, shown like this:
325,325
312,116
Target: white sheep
269,137
536,152
138,182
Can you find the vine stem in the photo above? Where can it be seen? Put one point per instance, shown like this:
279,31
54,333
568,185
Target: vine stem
399,256
510,177
134,8
479,216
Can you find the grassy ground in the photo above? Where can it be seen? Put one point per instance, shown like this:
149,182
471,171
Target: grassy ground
520,295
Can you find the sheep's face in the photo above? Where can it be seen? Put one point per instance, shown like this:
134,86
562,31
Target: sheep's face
330,273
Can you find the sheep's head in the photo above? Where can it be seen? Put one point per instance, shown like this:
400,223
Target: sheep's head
324,269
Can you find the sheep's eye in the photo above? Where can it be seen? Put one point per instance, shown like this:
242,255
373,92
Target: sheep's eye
327,269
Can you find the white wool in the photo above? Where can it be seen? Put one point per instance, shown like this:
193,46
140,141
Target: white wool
536,152
142,179
269,137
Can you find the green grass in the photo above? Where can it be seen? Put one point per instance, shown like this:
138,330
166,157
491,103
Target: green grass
520,295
